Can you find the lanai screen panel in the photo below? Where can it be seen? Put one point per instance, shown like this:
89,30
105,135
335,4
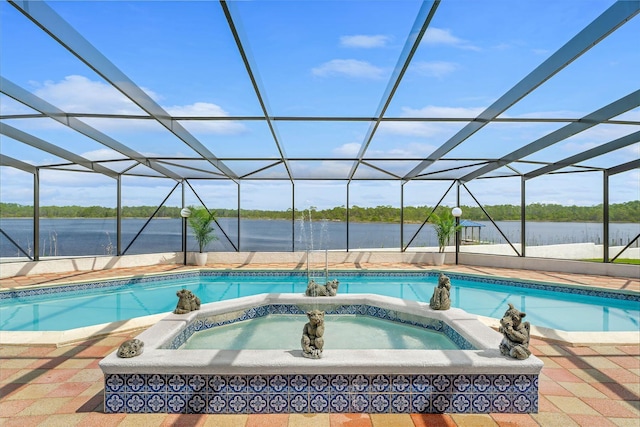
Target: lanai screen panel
360,94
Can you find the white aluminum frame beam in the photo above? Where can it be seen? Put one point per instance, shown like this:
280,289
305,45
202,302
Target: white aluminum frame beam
17,164
59,29
612,18
32,101
625,167
257,87
616,108
616,144
426,13
43,145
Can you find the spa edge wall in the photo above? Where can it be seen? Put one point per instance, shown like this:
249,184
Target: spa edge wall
165,379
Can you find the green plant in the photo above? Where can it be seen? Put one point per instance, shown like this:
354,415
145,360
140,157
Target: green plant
445,227
200,222
617,261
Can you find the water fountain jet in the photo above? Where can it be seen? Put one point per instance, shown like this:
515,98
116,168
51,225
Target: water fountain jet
316,285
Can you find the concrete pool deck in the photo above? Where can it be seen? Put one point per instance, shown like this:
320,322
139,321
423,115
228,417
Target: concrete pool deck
591,385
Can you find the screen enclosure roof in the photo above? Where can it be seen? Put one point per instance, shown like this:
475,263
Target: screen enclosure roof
320,90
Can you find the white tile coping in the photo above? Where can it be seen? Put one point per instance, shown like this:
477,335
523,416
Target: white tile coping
77,335
74,336
485,360
575,338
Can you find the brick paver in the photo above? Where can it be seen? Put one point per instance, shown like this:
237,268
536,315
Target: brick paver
579,386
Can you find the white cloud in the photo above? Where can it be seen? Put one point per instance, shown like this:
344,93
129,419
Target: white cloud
348,150
404,150
413,149
603,133
205,109
274,195
437,111
567,189
626,185
440,36
87,189
102,154
429,129
502,46
435,68
417,129
11,106
59,188
350,68
362,41
632,151
574,147
65,180
78,94
540,51
581,189
633,115
196,109
332,169
622,155
556,114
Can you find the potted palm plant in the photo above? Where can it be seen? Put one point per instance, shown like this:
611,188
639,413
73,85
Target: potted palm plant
445,227
201,221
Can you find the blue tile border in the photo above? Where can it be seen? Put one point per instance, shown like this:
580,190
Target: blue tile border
302,396
575,290
111,285
124,283
201,324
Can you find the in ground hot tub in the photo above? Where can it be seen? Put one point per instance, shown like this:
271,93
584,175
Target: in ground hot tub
276,331
475,378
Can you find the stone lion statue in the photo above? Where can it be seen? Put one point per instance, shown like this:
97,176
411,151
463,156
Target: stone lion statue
131,348
187,302
441,299
312,335
515,342
317,290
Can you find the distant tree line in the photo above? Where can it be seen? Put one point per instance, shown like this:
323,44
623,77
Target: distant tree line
619,212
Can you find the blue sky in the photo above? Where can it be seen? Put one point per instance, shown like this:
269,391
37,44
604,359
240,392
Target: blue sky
326,58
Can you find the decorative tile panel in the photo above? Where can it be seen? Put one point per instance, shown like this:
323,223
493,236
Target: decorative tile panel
338,393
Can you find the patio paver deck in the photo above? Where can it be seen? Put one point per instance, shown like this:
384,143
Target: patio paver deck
579,386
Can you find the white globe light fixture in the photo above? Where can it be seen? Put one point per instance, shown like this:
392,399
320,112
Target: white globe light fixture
457,213
184,213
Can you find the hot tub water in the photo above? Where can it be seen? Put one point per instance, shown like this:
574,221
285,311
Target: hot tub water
278,331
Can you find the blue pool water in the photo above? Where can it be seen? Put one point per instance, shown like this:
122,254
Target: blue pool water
105,303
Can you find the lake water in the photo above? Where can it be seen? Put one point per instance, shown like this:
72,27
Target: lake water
72,237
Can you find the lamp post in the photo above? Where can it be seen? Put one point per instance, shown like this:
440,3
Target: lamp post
184,213
457,213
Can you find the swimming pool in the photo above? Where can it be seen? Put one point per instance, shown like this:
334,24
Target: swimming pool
66,307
